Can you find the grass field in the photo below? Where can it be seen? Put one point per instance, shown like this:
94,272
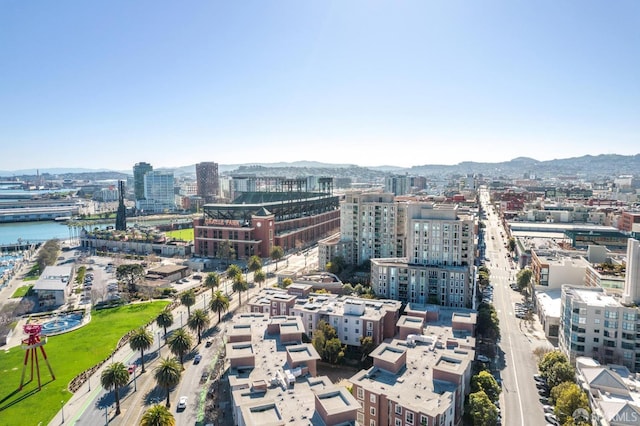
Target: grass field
181,234
21,291
69,355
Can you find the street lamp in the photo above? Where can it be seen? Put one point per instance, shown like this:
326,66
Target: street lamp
106,415
62,410
135,387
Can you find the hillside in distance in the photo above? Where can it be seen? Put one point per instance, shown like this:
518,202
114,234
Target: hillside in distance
587,166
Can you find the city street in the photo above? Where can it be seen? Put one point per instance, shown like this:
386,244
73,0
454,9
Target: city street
515,361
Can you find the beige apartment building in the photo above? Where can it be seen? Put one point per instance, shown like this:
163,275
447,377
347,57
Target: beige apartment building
417,381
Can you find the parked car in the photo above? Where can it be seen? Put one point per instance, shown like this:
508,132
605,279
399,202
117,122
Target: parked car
551,418
182,403
197,359
131,368
483,358
208,343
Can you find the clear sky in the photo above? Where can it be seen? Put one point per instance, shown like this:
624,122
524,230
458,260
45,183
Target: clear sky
106,84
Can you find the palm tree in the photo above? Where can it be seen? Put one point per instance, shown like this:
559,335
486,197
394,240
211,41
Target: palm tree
164,320
212,281
219,303
276,254
233,271
141,340
179,343
115,376
188,299
259,277
157,415
254,264
197,321
167,374
240,285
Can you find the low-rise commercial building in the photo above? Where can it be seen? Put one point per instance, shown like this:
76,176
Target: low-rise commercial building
54,286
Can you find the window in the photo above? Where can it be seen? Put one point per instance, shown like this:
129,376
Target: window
360,393
409,417
372,398
372,411
424,421
372,423
398,422
398,409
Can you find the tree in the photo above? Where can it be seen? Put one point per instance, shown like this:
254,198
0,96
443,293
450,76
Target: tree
326,342
524,278
130,273
141,340
336,265
179,343
549,360
212,281
188,299
226,251
568,398
115,376
366,346
197,322
240,285
157,415
259,277
560,372
482,410
511,244
254,264
488,324
347,289
167,374
219,303
287,282
48,254
164,320
276,254
233,271
484,381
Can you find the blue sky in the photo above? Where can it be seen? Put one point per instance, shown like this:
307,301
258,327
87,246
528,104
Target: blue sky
106,84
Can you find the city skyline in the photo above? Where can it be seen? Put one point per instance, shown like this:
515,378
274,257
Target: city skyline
366,83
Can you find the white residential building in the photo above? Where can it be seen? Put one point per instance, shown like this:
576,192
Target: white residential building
595,324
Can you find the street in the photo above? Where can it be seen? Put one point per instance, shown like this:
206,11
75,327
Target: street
515,361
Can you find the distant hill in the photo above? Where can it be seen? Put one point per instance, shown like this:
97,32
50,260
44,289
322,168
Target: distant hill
587,166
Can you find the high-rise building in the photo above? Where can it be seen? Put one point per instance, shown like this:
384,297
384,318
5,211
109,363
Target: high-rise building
159,193
369,221
139,170
438,264
632,276
208,186
397,185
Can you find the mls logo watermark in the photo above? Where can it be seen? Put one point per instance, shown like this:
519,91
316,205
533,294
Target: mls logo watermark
625,417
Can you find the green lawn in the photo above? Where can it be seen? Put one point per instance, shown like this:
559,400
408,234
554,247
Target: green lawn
21,291
69,355
181,234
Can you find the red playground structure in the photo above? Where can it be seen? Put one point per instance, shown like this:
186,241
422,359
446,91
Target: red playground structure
31,345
